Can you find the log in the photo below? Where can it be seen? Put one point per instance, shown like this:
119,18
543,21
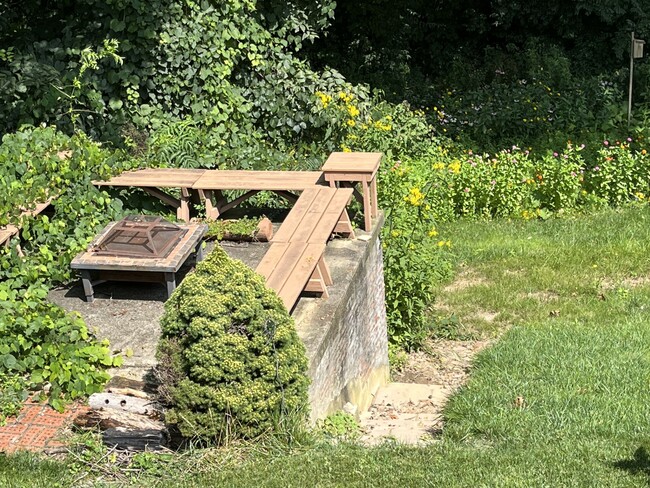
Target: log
135,440
114,401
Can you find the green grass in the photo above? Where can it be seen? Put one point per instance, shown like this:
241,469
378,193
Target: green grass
572,304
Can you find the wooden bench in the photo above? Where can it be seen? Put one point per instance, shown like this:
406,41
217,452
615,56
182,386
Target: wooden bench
8,231
343,168
318,213
294,263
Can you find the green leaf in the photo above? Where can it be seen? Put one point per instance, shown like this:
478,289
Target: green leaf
115,103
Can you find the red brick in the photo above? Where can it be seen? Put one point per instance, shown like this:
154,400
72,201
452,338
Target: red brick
32,438
29,413
15,429
50,419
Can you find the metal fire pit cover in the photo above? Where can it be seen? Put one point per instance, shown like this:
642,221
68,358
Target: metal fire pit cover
140,236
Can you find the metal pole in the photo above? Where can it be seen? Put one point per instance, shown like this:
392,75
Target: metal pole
629,99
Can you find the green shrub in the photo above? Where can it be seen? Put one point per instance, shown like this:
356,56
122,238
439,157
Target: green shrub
619,174
413,259
41,346
231,362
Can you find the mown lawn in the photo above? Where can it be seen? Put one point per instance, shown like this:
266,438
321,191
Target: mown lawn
561,399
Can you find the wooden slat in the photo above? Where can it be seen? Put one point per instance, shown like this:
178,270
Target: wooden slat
155,177
257,180
353,162
295,217
286,265
312,219
301,274
271,259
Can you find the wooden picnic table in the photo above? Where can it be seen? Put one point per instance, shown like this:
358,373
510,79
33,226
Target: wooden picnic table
152,180
212,182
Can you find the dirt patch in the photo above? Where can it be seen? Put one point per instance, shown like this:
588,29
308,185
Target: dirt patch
630,282
409,410
467,278
445,363
545,296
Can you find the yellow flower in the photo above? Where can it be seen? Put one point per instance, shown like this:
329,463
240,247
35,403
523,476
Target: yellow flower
345,148
351,123
324,98
352,110
415,197
395,233
454,166
433,232
644,152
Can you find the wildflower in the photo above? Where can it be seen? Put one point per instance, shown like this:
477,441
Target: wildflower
454,166
324,98
596,168
493,182
438,166
345,148
644,152
629,139
606,143
351,123
415,197
395,233
555,154
352,110
466,190
433,232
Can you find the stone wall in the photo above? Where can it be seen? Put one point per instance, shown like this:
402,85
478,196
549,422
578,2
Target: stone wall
346,335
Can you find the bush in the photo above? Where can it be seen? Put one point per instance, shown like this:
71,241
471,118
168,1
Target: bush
42,346
231,363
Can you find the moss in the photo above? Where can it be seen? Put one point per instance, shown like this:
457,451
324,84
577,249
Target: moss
230,358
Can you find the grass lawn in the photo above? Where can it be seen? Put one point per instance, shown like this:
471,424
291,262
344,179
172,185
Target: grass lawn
561,399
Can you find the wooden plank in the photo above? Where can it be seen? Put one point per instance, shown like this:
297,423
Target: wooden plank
295,217
271,259
285,267
301,274
352,162
155,177
328,221
312,219
8,233
257,180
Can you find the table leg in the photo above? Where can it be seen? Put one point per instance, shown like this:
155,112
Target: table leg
375,204
183,211
170,281
367,206
87,283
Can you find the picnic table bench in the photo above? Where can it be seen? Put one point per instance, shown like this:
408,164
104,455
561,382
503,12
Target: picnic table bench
294,263
8,231
213,182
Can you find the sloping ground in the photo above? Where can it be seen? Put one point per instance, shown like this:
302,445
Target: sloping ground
409,409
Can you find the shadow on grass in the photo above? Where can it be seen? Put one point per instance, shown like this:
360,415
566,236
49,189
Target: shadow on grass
639,464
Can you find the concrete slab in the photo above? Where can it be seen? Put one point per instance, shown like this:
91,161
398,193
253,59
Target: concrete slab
408,413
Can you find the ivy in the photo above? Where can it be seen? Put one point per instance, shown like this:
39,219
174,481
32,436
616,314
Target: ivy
42,347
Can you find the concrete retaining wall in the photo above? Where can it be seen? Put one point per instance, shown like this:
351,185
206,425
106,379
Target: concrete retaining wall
345,335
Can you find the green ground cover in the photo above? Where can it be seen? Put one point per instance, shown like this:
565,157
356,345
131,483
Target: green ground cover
560,399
